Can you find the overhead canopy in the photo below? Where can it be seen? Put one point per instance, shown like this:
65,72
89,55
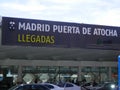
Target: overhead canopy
43,53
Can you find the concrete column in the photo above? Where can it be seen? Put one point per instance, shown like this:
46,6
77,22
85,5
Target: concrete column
79,73
110,73
19,74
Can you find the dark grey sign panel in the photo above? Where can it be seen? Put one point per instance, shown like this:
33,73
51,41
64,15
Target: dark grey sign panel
41,33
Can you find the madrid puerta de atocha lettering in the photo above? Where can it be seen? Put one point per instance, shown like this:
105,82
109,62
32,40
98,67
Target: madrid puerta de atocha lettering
57,29
66,29
51,32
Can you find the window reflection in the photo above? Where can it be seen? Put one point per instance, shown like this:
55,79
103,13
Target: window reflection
8,75
54,74
100,74
114,71
50,73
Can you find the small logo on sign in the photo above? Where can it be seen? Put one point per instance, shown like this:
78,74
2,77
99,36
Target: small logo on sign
12,25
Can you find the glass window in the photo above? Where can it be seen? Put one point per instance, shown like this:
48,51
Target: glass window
64,69
99,74
9,74
53,69
103,72
42,88
42,69
29,69
49,86
114,71
69,85
50,73
74,70
53,73
26,87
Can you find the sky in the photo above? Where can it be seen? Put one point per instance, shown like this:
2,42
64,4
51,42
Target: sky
102,12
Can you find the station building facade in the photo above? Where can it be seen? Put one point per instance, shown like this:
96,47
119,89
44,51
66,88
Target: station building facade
27,71
27,34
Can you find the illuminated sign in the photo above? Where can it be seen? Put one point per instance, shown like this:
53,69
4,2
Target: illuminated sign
29,32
